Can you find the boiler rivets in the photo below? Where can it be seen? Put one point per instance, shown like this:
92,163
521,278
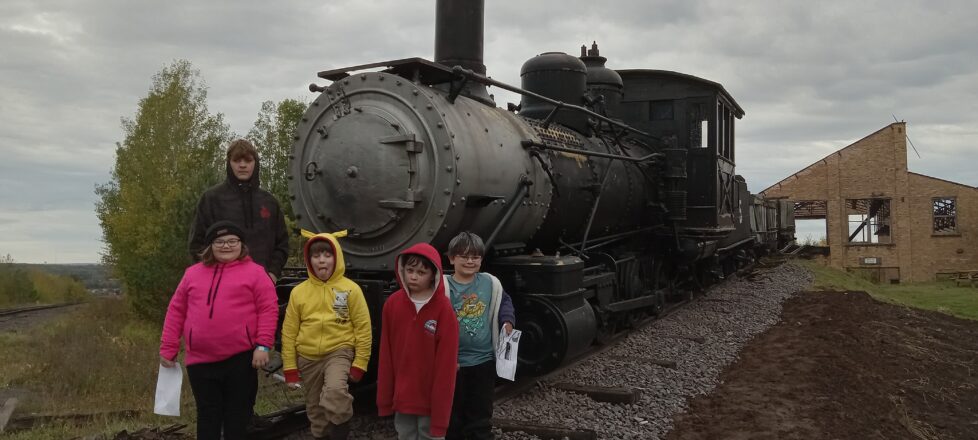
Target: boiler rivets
448,168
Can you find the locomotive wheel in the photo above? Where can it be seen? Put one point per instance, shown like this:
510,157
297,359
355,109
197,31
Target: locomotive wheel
543,345
606,329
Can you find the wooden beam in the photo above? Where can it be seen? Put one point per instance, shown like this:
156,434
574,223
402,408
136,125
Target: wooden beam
546,432
603,394
6,411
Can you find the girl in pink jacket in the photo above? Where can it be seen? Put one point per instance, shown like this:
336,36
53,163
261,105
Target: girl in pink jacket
225,310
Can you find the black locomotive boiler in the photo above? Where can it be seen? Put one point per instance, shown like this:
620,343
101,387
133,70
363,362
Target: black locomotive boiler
602,195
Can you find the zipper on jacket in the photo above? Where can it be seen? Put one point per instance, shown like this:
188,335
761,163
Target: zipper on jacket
322,324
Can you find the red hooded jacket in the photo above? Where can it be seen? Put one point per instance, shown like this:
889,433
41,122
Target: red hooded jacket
418,351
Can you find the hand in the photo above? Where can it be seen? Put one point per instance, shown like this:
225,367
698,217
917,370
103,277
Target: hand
509,328
166,362
356,374
259,358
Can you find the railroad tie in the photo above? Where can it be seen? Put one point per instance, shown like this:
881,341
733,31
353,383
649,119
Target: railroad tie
546,432
603,394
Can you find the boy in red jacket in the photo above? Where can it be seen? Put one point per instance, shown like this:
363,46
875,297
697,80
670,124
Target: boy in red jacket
418,348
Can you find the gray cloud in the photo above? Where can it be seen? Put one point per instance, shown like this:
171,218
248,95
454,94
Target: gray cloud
812,78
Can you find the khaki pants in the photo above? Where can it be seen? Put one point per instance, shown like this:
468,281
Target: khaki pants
328,398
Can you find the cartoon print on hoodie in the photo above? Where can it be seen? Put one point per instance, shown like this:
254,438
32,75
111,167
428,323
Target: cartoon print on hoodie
339,305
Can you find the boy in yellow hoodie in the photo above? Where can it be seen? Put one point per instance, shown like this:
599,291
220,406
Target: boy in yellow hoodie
326,337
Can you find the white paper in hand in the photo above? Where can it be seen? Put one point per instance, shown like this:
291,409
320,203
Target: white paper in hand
506,354
168,387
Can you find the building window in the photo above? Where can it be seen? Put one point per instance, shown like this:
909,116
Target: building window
869,221
945,216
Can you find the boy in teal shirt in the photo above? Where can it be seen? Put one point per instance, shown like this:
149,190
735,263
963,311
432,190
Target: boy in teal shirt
482,308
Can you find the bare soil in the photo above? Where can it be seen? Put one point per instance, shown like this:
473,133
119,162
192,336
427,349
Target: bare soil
841,365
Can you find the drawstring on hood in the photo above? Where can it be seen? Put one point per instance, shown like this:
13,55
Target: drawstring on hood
212,292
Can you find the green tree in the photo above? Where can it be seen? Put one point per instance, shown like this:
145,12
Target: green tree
172,151
273,135
15,284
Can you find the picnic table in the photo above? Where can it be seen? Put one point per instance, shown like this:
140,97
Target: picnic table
968,277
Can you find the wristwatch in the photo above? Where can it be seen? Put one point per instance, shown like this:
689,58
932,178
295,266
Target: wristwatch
262,348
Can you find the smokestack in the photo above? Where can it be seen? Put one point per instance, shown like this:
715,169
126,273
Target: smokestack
458,34
458,41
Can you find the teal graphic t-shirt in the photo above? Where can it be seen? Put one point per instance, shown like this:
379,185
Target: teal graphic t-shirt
471,303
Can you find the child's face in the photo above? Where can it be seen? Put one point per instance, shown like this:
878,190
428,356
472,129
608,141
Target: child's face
243,167
323,264
466,265
418,278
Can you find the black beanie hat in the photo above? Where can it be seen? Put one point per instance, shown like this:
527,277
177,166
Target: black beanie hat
221,229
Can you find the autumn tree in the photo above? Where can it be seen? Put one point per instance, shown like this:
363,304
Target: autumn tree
171,153
273,135
15,284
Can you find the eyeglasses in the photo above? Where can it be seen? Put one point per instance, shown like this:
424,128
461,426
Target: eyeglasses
469,257
229,243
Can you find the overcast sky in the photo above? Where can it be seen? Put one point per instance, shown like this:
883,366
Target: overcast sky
812,77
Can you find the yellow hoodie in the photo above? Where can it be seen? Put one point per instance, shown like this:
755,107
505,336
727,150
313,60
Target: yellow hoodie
323,316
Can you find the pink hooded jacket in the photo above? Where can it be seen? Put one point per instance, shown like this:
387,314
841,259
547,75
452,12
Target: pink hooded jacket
220,311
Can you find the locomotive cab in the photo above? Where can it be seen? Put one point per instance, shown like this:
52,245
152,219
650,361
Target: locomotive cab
699,114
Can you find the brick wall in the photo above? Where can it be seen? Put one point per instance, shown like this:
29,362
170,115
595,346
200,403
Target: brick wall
876,167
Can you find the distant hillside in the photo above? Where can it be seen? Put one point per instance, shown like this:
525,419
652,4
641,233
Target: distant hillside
92,276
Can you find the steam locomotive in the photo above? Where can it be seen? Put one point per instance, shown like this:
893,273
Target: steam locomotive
602,195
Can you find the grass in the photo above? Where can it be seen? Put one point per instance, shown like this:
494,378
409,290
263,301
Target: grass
96,359
940,296
99,359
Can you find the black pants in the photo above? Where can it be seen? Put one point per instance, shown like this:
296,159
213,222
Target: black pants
224,393
472,405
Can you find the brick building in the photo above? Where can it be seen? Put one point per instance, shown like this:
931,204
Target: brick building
882,219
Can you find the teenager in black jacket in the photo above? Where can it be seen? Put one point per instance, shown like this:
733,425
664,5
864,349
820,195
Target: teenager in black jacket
240,199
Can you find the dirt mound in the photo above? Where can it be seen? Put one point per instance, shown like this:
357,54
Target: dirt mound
843,365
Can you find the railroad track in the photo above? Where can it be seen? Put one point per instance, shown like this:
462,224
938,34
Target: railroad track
28,309
291,420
